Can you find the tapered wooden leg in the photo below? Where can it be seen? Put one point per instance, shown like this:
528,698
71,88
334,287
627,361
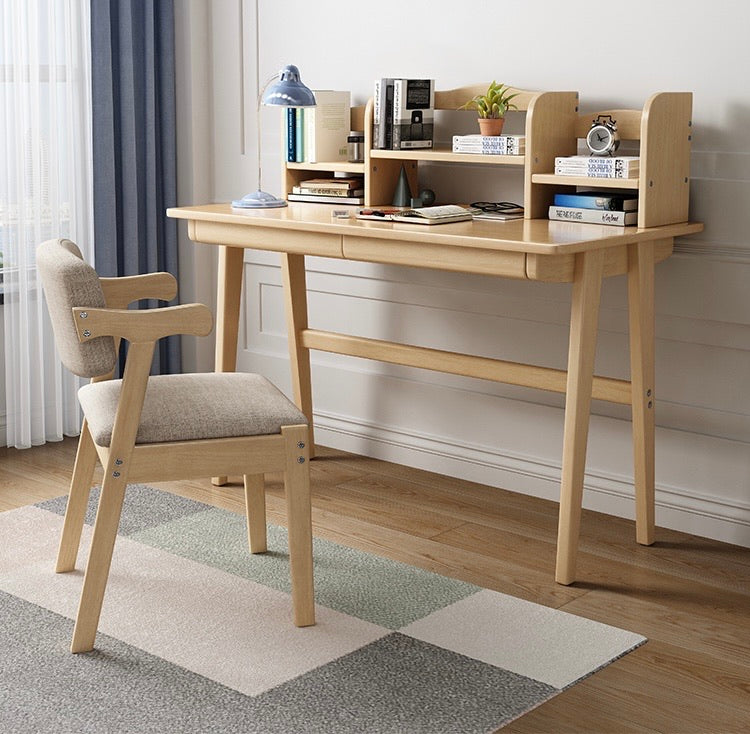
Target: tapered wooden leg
584,318
97,569
295,294
78,499
641,312
255,510
228,314
299,520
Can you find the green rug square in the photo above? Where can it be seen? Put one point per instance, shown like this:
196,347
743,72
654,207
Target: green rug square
374,589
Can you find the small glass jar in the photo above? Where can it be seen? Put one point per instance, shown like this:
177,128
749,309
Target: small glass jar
356,145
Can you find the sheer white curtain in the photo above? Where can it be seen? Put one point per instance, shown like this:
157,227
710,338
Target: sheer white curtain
45,192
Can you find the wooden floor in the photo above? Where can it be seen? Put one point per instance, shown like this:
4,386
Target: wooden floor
689,596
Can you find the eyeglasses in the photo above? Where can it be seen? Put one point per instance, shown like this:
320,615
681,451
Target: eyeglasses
497,206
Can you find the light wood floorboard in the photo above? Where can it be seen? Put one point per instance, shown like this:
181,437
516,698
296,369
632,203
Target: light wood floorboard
690,596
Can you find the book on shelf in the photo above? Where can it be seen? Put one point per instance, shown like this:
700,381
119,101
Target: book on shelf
339,183
490,144
291,134
413,113
592,216
323,191
299,150
598,200
326,199
326,127
382,114
598,166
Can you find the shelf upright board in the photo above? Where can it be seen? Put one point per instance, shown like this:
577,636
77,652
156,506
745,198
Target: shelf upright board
550,131
666,137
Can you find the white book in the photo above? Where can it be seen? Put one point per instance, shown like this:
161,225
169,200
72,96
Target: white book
592,216
327,127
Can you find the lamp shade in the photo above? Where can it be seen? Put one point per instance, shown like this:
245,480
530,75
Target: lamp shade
289,91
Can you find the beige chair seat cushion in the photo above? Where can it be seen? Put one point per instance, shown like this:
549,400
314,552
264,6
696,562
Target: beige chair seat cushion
193,406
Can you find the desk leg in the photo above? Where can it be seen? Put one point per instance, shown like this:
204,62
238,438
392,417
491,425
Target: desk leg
228,314
295,293
641,314
584,319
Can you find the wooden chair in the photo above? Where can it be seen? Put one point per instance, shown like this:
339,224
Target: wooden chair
159,428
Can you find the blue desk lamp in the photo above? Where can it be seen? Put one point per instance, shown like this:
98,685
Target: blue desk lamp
288,91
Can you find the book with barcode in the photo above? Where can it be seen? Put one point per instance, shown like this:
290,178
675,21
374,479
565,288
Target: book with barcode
592,216
598,166
413,113
327,127
490,144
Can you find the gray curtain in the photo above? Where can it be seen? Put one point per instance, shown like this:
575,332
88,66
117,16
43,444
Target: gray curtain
134,145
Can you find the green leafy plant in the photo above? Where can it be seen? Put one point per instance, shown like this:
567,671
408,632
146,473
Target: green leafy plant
494,103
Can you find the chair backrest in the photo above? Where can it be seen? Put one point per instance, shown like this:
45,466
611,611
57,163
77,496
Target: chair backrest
69,282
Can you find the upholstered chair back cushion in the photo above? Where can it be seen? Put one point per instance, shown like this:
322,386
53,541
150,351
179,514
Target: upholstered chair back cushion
69,282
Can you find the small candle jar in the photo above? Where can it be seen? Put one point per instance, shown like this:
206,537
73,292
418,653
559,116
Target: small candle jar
356,144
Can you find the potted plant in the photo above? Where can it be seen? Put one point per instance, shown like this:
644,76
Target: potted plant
491,108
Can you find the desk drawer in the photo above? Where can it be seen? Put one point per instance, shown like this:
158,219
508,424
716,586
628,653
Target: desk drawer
275,239
439,257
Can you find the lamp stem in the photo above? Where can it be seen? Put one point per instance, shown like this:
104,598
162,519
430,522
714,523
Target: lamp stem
260,101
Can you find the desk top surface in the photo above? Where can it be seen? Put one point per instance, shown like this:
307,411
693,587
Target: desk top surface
538,236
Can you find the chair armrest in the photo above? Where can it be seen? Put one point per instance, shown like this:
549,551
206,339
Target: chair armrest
143,325
119,292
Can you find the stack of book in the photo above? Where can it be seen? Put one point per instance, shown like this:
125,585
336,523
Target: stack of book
337,190
403,113
625,166
596,207
490,144
319,133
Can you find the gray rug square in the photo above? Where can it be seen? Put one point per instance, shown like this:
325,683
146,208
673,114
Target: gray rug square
434,655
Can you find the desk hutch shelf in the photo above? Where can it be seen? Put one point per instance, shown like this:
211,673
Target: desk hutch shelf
553,128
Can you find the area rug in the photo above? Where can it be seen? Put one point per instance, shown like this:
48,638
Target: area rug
196,636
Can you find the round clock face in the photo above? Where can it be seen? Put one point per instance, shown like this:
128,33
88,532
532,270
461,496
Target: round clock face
602,140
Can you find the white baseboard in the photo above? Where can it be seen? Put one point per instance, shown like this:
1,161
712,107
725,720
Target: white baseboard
678,508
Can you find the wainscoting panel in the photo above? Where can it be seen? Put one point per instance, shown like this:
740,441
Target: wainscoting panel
512,437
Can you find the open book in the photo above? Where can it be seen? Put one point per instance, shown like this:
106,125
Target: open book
434,214
425,215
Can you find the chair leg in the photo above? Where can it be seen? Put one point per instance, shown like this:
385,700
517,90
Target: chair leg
78,499
97,568
255,509
299,520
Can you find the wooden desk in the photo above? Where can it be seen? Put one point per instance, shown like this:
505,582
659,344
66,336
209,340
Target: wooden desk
531,249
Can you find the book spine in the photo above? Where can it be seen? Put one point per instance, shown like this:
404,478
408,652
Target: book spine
398,91
299,136
592,216
327,192
309,135
597,202
560,171
291,141
376,112
388,115
319,199
509,149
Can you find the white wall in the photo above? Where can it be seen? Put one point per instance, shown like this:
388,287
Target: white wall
500,435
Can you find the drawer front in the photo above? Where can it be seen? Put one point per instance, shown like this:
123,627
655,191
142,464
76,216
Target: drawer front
439,257
275,239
